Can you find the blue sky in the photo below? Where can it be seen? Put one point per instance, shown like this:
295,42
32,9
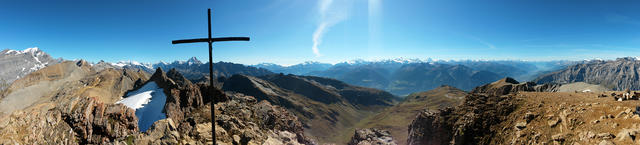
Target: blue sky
286,31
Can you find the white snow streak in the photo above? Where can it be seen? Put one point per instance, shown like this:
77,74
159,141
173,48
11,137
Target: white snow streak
148,101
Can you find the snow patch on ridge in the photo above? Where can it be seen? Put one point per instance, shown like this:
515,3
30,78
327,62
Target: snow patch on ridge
34,51
148,101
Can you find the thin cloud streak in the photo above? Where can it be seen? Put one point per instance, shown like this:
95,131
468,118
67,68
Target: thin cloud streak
330,14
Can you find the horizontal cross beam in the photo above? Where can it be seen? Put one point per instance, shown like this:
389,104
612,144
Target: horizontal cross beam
212,40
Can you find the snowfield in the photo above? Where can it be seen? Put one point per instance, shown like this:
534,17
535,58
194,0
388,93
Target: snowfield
148,101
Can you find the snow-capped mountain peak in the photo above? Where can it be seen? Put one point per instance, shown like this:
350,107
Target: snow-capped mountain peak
34,51
193,60
17,63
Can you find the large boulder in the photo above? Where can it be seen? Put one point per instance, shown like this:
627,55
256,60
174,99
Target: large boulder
95,122
372,136
243,120
470,123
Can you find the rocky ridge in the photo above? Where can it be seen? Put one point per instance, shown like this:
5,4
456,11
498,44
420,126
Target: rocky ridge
475,121
619,74
71,118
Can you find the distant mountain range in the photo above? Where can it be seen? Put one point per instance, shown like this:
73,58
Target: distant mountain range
193,69
298,69
404,76
398,76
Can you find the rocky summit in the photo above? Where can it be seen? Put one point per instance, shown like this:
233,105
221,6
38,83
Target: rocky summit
75,116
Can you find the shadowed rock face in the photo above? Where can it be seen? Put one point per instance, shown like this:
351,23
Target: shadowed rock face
80,120
94,122
430,128
474,121
470,123
619,74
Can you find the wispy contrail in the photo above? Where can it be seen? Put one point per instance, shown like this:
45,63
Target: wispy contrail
330,14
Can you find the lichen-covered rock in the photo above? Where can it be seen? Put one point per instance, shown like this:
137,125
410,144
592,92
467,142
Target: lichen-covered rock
243,120
161,132
372,136
95,122
430,128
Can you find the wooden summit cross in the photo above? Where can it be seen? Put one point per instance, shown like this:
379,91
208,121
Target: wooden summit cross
210,41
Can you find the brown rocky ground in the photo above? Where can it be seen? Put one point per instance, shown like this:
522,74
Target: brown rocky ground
507,112
570,118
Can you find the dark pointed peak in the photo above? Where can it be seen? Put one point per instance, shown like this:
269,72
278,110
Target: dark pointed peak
160,78
508,80
178,78
159,69
193,60
81,63
159,74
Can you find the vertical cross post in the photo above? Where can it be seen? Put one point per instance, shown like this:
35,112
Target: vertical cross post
210,40
213,114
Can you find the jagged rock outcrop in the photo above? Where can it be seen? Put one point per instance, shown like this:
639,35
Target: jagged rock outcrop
81,120
504,86
95,122
548,87
243,120
163,132
473,122
618,74
371,136
431,128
